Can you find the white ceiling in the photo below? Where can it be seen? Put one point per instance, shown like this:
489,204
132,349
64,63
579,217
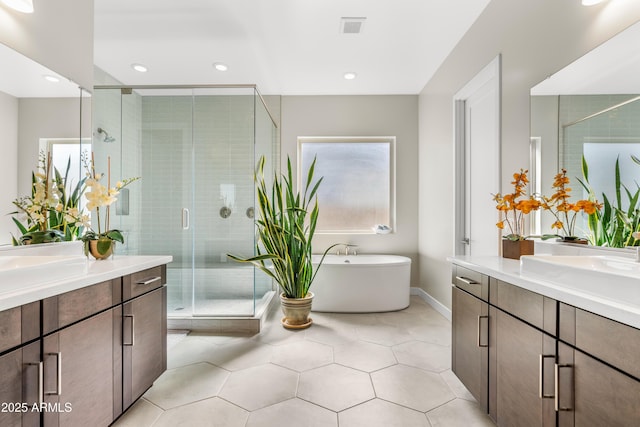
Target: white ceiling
288,47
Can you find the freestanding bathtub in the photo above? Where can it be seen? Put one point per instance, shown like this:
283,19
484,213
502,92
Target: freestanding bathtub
361,283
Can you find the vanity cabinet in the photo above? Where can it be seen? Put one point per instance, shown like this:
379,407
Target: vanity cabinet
20,365
470,349
144,331
84,356
549,363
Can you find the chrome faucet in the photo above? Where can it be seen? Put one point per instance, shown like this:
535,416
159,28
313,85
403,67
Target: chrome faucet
353,247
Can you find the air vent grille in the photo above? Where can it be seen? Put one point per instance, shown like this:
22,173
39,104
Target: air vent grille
352,25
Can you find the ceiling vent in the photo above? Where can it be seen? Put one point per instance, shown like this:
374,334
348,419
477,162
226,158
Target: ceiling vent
351,25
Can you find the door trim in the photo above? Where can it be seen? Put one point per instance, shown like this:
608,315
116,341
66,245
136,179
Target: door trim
489,74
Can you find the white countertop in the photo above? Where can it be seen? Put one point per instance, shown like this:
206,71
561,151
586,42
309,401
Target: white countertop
508,270
97,271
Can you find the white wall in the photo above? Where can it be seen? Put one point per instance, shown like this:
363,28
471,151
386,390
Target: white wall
387,115
536,39
8,163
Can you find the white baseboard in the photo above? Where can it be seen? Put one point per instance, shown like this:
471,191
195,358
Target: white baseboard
437,305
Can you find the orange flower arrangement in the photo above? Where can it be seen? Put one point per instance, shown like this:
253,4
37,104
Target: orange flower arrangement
517,204
564,211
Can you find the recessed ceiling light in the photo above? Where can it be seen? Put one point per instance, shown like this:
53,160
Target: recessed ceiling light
220,66
50,78
139,68
591,2
350,75
25,6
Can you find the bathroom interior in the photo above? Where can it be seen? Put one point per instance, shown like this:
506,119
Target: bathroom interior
195,141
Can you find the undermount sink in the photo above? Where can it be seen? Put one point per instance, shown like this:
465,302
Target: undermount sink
609,277
20,272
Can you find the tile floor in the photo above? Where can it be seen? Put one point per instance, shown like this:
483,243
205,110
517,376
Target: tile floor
386,369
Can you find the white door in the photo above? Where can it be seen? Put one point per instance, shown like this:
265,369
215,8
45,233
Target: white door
477,163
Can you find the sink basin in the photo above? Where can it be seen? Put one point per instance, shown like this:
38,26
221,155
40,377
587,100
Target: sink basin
20,272
609,277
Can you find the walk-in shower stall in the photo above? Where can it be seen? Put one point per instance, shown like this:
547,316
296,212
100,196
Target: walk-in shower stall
195,149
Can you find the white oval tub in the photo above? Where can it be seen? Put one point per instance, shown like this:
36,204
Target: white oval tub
361,283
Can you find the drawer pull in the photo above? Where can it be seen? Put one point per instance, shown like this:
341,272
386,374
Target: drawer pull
541,394
479,330
557,396
132,331
58,391
467,281
40,381
148,280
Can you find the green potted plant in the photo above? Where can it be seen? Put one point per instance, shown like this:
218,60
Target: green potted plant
286,225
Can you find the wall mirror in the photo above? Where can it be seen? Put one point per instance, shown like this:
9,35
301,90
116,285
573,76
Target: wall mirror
53,114
590,108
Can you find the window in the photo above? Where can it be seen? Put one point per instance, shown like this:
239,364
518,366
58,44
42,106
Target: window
357,192
63,150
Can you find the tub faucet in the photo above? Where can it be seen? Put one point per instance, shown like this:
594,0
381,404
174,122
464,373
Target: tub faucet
352,247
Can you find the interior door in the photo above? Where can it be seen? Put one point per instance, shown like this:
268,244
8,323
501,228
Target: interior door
477,170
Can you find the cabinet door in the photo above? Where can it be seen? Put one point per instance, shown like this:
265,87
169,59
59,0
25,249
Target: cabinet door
144,340
20,384
524,360
470,346
78,373
594,394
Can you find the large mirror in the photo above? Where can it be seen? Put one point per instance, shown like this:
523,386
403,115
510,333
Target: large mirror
41,111
591,110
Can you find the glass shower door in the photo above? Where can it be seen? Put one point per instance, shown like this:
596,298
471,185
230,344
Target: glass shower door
223,147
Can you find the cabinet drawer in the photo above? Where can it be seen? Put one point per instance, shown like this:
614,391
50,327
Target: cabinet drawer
471,281
19,325
70,307
533,308
615,343
143,281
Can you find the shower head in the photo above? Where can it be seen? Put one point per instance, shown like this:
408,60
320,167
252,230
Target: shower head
107,138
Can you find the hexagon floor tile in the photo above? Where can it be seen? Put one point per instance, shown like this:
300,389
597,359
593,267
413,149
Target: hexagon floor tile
411,387
335,387
293,412
381,413
260,386
186,384
302,356
373,370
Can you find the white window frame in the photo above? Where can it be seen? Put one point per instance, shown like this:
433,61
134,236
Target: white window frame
391,140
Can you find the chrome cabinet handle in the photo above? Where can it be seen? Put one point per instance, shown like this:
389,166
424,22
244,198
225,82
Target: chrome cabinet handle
467,281
148,280
186,219
133,328
40,366
541,394
557,388
479,328
58,391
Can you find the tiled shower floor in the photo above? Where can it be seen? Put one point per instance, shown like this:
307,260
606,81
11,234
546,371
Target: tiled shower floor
370,370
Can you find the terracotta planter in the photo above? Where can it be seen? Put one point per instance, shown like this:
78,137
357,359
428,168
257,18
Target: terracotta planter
296,311
101,249
514,249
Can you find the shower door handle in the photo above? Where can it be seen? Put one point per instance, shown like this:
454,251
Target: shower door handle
185,219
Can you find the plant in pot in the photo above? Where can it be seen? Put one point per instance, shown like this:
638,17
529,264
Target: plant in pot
100,243
513,207
566,212
285,228
52,212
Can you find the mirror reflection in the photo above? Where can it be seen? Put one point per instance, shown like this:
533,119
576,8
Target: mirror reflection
584,119
43,112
